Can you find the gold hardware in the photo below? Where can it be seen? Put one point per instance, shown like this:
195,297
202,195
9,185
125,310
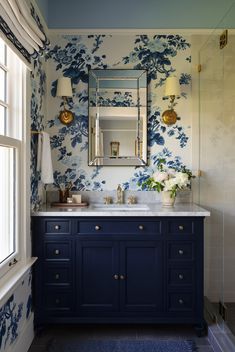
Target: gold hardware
199,68
181,276
57,276
108,200
141,227
57,301
66,116
57,227
131,200
181,227
116,277
57,252
223,40
97,228
169,117
181,252
119,195
122,277
181,301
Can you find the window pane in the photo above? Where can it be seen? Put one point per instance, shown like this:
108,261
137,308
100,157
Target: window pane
2,52
2,119
7,207
2,85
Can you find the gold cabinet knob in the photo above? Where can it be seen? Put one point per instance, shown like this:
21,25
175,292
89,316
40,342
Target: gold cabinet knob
181,276
181,301
57,227
97,227
116,277
181,252
181,227
57,276
122,277
57,251
141,227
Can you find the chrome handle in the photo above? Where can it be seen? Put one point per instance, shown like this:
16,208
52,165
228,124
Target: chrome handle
122,277
57,227
181,252
141,227
57,301
181,276
116,277
97,227
181,227
57,251
181,301
57,276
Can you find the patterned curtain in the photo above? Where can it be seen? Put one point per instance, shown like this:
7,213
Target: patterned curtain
21,26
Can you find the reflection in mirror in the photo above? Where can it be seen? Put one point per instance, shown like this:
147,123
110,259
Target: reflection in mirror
117,117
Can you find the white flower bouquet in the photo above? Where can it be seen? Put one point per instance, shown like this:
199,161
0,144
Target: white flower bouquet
170,180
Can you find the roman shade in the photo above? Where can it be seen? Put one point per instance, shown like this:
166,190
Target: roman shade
20,26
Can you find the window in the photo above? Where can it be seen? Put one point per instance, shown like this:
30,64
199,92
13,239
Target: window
12,73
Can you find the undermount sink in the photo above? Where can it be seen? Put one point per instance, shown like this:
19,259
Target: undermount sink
115,207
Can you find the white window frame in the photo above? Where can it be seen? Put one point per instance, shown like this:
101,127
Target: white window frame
19,145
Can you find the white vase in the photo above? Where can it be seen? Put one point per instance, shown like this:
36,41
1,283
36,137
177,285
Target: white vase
167,199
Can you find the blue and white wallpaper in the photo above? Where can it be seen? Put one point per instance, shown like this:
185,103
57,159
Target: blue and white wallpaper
72,56
15,312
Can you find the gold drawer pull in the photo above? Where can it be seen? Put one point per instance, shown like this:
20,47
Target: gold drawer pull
116,277
97,227
181,252
57,251
57,227
181,227
122,277
181,276
141,227
57,276
181,301
57,301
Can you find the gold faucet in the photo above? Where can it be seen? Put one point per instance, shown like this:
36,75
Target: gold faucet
119,195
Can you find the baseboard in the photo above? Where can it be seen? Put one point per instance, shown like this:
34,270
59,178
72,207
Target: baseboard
26,336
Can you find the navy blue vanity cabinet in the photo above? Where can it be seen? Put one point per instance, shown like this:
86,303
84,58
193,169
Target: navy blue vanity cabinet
118,270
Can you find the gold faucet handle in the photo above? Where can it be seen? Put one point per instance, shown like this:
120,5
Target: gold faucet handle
131,200
108,200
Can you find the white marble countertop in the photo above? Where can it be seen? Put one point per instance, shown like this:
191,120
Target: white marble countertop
152,209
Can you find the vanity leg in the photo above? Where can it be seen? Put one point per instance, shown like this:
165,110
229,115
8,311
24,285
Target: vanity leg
201,329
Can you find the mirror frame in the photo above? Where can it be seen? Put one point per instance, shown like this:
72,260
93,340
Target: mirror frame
144,159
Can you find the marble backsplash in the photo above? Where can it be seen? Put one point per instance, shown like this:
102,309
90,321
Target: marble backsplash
141,197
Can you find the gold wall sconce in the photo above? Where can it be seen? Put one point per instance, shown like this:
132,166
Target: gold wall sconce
172,90
64,90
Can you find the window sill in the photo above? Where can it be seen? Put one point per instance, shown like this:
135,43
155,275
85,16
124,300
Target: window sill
10,281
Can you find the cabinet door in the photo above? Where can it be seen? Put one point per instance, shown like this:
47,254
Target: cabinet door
141,276
97,276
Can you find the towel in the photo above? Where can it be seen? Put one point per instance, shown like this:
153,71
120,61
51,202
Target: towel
44,162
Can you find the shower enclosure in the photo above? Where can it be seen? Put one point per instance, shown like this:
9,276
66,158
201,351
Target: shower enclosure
216,186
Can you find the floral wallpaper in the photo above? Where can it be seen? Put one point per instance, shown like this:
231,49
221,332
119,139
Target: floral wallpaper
16,310
73,56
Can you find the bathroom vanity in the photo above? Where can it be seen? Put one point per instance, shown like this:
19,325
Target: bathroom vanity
101,266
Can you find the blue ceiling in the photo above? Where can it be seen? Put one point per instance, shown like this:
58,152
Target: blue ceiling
165,14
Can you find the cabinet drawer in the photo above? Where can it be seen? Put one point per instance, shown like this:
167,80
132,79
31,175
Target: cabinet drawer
181,250
58,250
58,301
180,301
57,275
180,226
180,276
119,227
58,226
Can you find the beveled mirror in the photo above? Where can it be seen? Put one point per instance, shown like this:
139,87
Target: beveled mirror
117,117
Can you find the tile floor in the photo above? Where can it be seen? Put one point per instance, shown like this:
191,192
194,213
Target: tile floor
44,339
